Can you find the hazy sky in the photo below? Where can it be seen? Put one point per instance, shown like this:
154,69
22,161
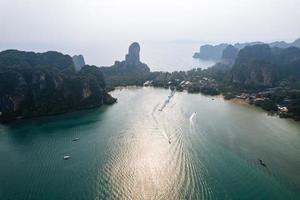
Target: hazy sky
80,24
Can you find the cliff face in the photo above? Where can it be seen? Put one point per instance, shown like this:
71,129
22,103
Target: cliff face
133,56
216,52
259,65
229,55
210,52
30,86
254,53
296,43
78,61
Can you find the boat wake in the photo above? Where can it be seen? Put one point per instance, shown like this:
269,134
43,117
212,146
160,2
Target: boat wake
168,100
192,118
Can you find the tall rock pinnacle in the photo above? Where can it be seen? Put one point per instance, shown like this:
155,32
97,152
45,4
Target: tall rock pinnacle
133,56
131,64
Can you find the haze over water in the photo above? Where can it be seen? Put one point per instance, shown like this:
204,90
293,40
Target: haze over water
173,56
159,56
193,147
102,30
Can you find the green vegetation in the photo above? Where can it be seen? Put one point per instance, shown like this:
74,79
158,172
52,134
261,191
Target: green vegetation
267,77
37,84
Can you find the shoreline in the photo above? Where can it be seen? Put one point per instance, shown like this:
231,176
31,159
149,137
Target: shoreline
21,118
239,101
234,100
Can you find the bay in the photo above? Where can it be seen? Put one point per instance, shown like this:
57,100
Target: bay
144,147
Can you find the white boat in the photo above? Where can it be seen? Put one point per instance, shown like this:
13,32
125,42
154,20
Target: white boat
66,157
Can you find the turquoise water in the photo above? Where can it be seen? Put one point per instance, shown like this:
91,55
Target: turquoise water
191,148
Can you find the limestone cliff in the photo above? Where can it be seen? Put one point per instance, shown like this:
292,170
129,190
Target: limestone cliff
229,55
260,65
131,63
130,71
78,61
30,86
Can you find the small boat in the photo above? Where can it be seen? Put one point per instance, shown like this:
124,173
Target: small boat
66,157
262,163
169,141
75,139
212,99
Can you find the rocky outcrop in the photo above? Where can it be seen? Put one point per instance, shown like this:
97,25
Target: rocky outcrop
279,44
133,56
78,61
296,43
215,52
240,46
130,71
132,61
211,52
254,53
229,55
260,65
29,87
253,67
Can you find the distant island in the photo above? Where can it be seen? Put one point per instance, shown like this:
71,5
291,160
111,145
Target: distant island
215,52
39,84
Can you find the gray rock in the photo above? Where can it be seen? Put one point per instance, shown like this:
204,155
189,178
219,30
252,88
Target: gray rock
78,61
131,63
229,55
133,56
